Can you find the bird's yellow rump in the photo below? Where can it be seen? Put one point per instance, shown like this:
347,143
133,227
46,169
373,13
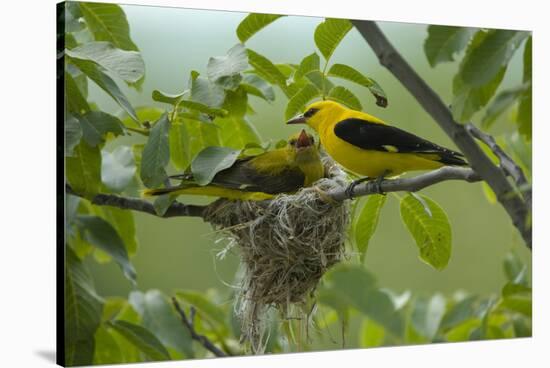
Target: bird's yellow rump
283,170
366,145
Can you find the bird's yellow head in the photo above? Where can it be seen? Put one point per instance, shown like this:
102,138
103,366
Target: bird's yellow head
318,113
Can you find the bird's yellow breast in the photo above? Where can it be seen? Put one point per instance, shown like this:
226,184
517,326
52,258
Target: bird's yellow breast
373,163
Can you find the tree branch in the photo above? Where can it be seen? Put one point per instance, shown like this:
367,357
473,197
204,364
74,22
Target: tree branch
506,162
432,103
409,184
203,340
176,209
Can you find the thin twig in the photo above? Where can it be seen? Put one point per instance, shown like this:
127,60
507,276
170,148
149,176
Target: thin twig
506,162
432,103
409,184
176,209
203,340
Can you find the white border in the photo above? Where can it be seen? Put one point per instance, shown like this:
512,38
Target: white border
27,154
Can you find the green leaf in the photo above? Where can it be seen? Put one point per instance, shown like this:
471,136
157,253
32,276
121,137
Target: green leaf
458,313
117,168
73,134
96,124
236,102
82,312
75,102
162,203
427,314
212,160
226,70
253,23
127,65
366,222
188,137
267,70
517,298
107,22
348,73
83,170
443,42
159,317
467,99
123,222
307,65
206,92
299,101
106,83
371,334
345,96
515,269
142,339
107,350
204,306
101,234
483,62
171,99
348,286
256,86
200,107
156,154
524,116
432,234
502,102
462,331
145,114
237,132
329,34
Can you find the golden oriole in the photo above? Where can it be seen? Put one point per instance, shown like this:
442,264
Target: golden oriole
366,145
283,170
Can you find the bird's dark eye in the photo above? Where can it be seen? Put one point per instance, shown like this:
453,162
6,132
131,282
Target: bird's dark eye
309,113
292,142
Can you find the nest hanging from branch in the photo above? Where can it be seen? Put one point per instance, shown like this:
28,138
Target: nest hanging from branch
286,244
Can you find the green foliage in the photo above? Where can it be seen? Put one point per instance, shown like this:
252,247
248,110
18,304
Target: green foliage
226,70
127,65
329,34
443,42
82,312
308,64
253,23
160,318
347,72
267,70
299,101
212,160
83,169
142,339
344,96
107,22
348,286
96,124
73,134
430,228
366,221
100,233
156,154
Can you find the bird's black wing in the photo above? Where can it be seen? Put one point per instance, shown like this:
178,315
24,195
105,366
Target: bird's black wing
243,176
380,137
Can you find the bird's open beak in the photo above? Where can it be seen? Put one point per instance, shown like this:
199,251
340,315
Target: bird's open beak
303,140
298,119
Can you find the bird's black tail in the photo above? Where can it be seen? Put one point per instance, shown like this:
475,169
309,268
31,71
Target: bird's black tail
453,158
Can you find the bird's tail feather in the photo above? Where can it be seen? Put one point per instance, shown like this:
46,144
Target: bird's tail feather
452,158
162,191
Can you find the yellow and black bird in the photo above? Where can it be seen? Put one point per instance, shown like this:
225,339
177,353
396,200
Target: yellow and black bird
367,146
282,170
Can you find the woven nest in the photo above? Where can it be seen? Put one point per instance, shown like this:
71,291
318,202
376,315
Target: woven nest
286,244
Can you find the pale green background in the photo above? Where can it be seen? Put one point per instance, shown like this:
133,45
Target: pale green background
180,252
